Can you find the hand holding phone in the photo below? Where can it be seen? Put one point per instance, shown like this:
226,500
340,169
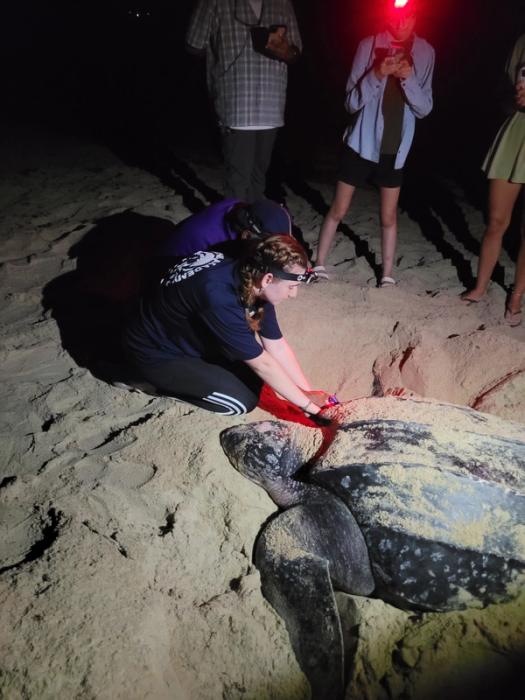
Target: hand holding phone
277,41
388,59
273,42
404,69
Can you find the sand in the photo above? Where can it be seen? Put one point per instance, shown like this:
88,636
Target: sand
126,536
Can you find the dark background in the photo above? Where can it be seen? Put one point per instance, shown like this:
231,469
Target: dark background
118,72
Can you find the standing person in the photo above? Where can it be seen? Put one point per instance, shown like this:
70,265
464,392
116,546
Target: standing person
248,44
390,84
505,170
208,334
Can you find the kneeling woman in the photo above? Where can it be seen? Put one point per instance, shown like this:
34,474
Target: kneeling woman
208,334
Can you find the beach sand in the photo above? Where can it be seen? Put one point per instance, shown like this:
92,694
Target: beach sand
126,536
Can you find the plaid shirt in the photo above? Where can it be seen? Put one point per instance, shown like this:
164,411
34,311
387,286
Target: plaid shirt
248,89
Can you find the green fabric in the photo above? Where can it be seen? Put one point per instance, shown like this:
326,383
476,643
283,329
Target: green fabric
506,157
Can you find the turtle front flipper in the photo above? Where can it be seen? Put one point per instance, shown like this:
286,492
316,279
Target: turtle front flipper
300,554
269,454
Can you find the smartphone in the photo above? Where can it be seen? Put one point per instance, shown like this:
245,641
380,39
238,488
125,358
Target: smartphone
276,27
396,49
390,52
260,37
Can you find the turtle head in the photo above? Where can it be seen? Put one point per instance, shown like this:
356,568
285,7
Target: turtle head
269,454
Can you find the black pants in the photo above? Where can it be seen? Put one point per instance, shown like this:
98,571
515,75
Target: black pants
229,389
247,156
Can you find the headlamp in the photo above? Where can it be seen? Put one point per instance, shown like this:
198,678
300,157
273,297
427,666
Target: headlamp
308,276
401,8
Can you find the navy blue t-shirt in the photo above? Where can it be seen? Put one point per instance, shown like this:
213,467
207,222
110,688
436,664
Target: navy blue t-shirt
196,311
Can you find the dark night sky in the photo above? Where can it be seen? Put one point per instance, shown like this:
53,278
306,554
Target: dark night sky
89,65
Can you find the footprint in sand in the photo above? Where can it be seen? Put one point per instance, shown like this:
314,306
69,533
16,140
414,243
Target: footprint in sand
92,472
26,533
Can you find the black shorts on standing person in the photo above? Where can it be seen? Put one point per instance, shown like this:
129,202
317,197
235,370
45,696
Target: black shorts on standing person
357,171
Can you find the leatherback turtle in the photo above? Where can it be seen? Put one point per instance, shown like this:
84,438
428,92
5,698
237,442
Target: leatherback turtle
419,503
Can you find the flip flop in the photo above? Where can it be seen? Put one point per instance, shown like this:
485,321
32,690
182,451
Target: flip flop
512,318
467,300
321,272
397,391
387,282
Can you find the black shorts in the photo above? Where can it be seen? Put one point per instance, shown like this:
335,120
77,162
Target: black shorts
356,171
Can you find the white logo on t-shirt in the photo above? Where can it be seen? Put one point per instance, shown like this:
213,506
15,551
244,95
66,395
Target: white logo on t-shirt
191,265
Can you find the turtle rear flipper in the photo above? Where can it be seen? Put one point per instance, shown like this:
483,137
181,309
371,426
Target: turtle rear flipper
299,554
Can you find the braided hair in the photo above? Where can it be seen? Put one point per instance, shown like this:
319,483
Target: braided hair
281,251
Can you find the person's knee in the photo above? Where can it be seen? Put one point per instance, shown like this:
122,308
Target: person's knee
388,220
498,224
250,403
337,212
241,406
234,403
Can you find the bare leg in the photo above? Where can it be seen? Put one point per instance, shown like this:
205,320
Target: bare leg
340,205
389,200
514,302
502,197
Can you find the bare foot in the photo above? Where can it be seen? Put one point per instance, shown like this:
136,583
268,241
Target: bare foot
471,296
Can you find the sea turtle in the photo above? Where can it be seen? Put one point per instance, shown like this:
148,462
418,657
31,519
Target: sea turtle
419,503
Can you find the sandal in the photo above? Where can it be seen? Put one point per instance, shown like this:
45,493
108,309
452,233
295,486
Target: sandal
468,300
387,282
512,318
320,271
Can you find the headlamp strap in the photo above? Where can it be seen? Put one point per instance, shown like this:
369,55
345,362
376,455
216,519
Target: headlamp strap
308,276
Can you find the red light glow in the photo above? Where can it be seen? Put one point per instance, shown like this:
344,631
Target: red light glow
400,3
